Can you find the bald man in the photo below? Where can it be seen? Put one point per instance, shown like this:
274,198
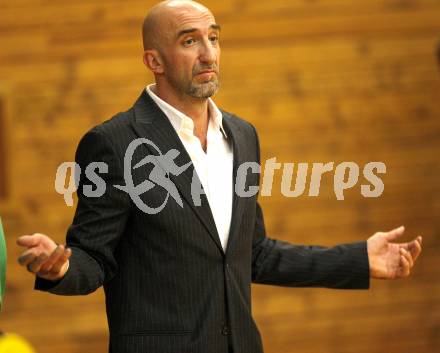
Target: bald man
179,280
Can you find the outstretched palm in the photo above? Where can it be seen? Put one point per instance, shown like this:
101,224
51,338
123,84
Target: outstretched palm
43,256
391,260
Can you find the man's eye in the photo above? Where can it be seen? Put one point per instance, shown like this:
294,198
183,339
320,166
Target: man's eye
188,41
214,39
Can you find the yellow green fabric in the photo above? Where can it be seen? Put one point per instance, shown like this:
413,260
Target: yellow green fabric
12,343
2,264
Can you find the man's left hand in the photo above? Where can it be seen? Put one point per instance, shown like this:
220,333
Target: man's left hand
390,260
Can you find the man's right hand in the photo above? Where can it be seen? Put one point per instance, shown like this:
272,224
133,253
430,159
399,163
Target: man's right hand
43,256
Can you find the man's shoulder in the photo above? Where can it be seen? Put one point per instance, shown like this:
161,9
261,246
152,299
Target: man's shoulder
117,124
237,122
115,128
112,134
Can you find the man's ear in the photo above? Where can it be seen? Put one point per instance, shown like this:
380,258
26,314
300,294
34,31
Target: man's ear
153,61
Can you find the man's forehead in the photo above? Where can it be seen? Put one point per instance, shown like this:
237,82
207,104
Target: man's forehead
170,18
183,18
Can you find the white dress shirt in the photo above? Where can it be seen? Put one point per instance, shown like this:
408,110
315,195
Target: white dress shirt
214,168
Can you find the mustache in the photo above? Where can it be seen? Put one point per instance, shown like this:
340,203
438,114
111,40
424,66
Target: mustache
199,69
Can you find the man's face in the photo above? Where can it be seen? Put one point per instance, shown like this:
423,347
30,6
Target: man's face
191,52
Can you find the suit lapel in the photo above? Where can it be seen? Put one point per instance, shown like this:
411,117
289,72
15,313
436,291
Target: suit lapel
150,122
239,146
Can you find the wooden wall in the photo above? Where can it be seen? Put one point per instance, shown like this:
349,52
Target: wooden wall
322,80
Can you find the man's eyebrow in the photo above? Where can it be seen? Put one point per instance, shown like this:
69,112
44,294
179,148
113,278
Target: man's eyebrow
215,26
191,30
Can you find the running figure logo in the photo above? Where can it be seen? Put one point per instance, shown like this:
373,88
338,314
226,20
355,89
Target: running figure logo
163,167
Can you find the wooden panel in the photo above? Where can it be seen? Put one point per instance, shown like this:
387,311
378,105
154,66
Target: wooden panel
4,147
3,181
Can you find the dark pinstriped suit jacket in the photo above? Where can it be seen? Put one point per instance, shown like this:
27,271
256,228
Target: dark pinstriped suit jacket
170,287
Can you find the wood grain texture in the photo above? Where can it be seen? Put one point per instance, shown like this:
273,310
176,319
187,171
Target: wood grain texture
321,80
3,153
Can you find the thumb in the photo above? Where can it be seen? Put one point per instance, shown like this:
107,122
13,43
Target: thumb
28,241
395,233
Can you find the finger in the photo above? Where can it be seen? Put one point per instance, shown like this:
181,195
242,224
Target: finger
415,248
57,264
53,258
404,267
26,259
395,233
408,257
28,240
35,265
34,250
61,261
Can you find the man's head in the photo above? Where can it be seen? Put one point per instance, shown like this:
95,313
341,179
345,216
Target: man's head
181,48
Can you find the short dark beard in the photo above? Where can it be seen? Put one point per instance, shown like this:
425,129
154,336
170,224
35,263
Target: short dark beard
203,90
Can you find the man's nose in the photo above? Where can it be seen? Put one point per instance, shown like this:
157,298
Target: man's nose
208,53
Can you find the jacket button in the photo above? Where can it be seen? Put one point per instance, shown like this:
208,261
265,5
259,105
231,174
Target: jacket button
225,330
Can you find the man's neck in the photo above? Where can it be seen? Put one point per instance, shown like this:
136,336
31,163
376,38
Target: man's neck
195,108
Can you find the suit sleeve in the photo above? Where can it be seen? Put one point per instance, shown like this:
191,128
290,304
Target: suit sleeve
281,263
98,224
